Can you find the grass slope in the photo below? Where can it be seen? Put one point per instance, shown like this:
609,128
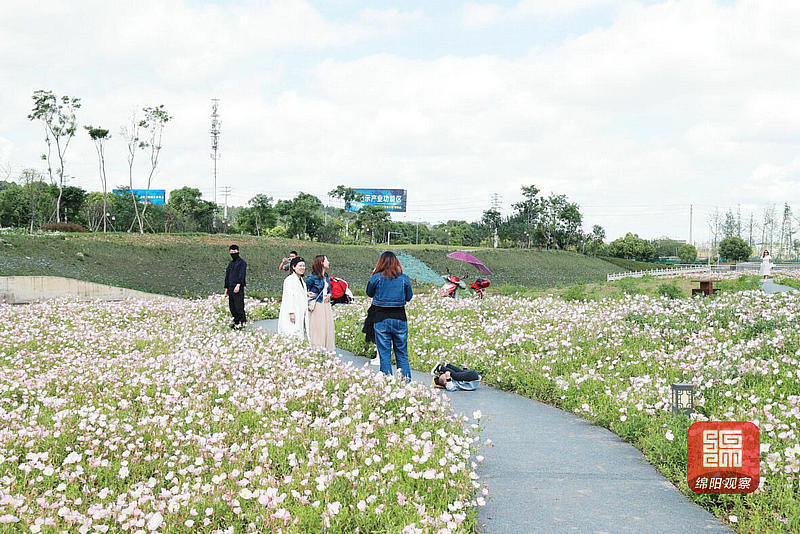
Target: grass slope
194,265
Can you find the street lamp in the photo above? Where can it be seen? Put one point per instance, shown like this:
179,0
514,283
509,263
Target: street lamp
682,399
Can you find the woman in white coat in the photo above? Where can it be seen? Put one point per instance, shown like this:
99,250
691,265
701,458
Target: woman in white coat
293,317
766,264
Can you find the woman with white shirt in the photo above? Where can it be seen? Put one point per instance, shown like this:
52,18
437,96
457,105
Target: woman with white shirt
293,317
766,264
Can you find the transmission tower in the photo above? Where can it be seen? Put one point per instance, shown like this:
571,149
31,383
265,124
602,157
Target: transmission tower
494,199
785,248
215,124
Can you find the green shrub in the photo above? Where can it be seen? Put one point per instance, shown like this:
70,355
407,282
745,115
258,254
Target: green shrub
63,227
669,290
629,286
576,292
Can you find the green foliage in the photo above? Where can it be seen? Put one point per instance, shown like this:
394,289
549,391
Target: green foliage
734,249
196,213
259,218
687,253
63,227
576,292
791,282
743,283
302,215
630,265
670,290
160,263
632,247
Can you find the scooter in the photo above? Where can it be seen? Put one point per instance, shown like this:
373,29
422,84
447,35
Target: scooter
452,284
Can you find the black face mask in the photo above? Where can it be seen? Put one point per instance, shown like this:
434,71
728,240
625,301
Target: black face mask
234,255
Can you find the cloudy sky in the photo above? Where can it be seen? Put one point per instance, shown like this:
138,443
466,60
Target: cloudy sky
634,109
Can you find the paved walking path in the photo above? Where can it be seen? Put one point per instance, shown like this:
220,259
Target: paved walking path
769,286
549,471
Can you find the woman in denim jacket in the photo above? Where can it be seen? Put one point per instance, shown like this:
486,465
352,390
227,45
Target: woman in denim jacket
390,289
320,320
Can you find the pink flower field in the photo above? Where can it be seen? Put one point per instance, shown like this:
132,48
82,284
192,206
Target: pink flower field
613,361
154,417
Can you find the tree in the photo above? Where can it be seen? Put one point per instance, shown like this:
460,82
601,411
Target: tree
197,213
133,143
35,189
99,137
372,219
595,239
260,216
58,117
529,211
155,118
302,215
632,247
730,226
72,198
734,249
687,253
347,195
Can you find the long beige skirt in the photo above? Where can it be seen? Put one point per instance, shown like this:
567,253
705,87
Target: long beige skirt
323,333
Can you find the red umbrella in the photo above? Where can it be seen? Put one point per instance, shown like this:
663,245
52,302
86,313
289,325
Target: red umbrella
472,260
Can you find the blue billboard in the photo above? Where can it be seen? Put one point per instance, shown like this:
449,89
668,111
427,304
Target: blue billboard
156,197
391,199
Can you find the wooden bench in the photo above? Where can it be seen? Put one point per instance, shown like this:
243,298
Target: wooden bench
706,287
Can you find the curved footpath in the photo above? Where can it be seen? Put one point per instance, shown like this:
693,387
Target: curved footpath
549,471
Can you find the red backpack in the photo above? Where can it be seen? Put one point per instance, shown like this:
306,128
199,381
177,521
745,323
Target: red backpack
338,287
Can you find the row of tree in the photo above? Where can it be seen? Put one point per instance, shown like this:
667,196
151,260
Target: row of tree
30,204
143,134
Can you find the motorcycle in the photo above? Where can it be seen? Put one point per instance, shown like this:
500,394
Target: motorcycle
453,283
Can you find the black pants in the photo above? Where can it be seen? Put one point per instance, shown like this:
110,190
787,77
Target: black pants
462,375
236,305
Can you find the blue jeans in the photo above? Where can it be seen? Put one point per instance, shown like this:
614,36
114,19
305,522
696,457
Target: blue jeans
393,333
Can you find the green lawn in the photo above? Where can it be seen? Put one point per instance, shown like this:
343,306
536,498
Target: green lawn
194,265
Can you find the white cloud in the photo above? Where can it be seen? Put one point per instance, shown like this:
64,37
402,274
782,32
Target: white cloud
672,103
476,15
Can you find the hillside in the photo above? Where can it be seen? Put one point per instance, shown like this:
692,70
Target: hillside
194,265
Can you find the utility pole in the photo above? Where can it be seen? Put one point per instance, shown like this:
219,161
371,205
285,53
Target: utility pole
495,200
215,131
691,220
226,191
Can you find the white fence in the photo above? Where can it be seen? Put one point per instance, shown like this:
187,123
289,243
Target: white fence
686,269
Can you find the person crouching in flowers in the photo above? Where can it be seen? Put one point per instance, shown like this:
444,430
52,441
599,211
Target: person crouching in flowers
293,316
323,333
766,264
390,289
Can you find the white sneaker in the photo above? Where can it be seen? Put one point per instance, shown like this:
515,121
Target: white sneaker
376,361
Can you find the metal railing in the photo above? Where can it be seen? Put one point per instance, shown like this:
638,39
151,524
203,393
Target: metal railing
660,272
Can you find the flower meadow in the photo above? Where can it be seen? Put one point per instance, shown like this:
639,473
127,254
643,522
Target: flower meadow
153,416
613,361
